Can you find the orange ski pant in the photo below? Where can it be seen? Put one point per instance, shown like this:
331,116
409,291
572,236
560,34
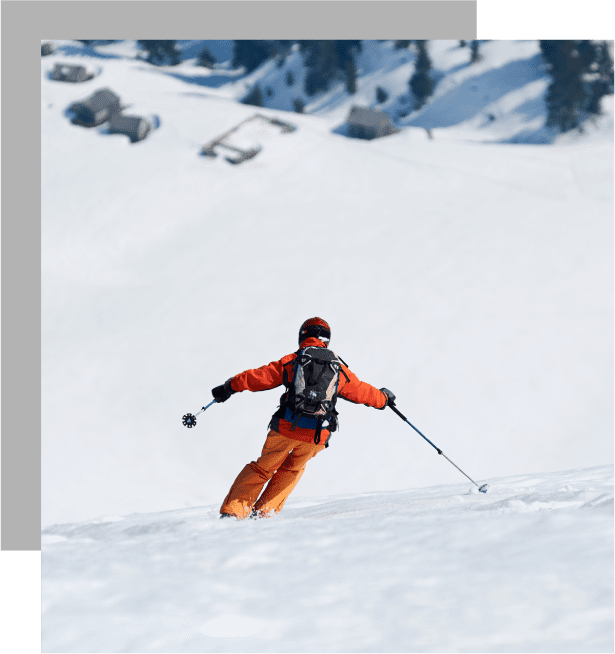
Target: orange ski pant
281,463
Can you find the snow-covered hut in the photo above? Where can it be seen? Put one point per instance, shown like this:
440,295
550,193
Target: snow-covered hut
366,123
47,48
96,109
135,127
66,73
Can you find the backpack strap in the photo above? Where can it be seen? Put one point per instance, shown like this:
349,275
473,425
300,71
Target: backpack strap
281,411
285,380
342,370
318,431
295,421
337,385
295,366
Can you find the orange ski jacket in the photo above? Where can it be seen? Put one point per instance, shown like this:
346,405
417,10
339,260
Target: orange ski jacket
272,376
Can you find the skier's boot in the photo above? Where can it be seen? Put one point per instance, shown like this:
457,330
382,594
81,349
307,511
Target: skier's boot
257,515
227,515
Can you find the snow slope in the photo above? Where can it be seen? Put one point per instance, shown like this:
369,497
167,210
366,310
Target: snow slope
470,275
526,568
473,278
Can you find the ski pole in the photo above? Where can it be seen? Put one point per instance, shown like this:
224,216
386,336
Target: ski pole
189,420
483,489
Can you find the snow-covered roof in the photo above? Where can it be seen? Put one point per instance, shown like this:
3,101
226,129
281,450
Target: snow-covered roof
368,117
128,124
99,100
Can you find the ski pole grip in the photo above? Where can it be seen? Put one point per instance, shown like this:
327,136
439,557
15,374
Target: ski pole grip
398,412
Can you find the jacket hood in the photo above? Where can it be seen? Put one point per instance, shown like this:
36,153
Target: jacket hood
311,341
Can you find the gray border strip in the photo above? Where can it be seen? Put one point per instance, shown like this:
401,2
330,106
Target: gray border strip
20,290
248,19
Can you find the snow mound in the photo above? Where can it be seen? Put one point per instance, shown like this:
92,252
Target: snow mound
525,568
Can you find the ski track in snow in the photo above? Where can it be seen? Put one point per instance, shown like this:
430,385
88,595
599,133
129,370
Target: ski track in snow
527,567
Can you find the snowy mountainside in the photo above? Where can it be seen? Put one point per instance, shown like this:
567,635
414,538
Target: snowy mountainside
526,568
473,279
499,98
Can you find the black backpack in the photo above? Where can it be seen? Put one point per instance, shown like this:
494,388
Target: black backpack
311,395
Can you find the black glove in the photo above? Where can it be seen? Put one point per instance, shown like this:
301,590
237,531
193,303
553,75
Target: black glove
222,393
390,397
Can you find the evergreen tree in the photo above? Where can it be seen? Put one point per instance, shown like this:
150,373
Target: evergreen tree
604,66
601,83
474,53
566,97
326,61
206,58
346,52
254,97
251,54
402,45
582,74
282,49
421,84
587,52
381,95
161,52
548,50
350,71
322,62
298,105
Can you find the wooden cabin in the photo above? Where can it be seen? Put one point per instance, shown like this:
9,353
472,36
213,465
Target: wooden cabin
47,48
96,109
136,128
366,123
74,74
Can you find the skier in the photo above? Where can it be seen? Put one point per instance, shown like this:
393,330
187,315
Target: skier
314,377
